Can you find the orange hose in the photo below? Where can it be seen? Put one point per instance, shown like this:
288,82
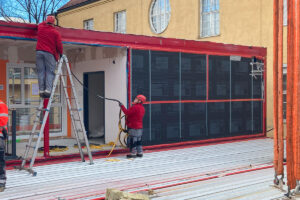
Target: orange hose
297,81
275,84
280,89
291,181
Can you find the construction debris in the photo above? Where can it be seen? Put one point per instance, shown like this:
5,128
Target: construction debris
114,194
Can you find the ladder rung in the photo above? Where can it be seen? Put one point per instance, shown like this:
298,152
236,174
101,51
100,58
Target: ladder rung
75,109
30,146
34,133
64,74
79,130
43,109
71,98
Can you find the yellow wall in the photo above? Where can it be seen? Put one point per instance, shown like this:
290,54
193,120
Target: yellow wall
242,22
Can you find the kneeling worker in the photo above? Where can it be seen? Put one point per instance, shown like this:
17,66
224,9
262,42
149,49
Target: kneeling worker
3,136
134,122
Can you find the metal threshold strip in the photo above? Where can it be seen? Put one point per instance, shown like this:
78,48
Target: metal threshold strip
76,180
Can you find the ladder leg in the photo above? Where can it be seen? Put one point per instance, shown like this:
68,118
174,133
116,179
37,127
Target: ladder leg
77,106
28,146
72,118
46,115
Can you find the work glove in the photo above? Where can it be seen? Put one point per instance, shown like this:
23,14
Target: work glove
120,104
4,131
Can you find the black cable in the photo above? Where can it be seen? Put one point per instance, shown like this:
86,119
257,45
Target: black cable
97,95
270,130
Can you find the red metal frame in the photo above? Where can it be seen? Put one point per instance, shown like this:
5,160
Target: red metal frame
201,101
207,77
29,31
265,99
129,75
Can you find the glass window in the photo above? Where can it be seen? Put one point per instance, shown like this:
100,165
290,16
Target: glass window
88,24
210,18
23,92
15,82
160,13
120,22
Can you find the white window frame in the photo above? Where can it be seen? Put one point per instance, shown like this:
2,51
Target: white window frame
60,104
164,16
120,21
212,23
88,24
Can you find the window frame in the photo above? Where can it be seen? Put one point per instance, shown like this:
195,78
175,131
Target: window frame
116,25
210,21
87,22
159,31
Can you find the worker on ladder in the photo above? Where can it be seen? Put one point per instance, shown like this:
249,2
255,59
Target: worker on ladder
3,136
134,122
48,49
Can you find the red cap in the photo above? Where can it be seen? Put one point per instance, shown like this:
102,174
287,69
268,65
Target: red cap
50,19
141,97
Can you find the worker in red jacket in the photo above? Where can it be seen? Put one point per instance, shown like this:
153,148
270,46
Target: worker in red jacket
48,49
134,122
3,135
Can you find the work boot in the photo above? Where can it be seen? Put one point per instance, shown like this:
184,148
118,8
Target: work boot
42,93
139,155
47,94
131,156
2,188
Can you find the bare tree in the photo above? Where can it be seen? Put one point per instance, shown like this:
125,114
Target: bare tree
32,11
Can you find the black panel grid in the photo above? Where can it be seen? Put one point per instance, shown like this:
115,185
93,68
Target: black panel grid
219,77
193,77
184,112
241,80
164,76
218,119
193,120
140,73
165,123
257,117
241,118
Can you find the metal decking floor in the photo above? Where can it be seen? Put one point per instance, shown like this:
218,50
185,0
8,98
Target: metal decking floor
76,180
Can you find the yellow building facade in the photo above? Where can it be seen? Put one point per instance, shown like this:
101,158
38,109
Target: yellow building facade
241,22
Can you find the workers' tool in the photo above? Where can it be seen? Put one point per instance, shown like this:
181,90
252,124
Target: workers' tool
77,121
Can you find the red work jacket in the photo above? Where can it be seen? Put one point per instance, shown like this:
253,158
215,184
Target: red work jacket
3,115
135,115
49,40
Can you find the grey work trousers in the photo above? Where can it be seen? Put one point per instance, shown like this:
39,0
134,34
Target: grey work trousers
134,141
2,163
46,65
